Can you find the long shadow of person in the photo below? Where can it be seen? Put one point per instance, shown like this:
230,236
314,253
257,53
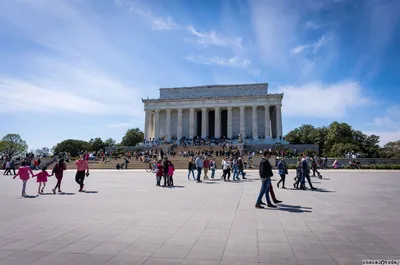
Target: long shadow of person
293,208
31,196
90,191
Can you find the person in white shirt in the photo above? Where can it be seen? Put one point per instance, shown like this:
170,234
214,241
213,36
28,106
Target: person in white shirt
226,169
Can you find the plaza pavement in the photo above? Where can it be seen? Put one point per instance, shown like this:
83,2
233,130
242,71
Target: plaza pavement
125,219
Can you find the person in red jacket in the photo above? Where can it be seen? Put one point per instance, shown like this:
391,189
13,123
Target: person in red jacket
58,170
159,172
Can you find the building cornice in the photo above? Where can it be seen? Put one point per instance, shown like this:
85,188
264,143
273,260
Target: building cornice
162,100
217,86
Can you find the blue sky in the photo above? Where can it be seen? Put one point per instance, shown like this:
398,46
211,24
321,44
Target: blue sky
79,68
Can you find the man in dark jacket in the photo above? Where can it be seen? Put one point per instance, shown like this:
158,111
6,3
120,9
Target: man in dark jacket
165,170
305,173
265,172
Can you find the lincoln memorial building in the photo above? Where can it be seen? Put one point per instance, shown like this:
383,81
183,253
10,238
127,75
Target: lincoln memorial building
217,111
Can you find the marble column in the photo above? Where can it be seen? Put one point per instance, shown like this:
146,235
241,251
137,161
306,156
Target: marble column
180,125
267,123
278,121
151,124
255,123
191,123
146,125
217,127
204,123
242,122
229,109
157,124
168,124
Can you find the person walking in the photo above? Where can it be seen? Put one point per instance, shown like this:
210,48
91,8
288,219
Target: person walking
42,179
199,167
58,171
191,167
23,173
283,171
241,168
81,166
297,179
305,172
235,169
265,171
206,165
314,166
212,168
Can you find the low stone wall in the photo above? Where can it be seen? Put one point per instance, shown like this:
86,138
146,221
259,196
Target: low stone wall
346,161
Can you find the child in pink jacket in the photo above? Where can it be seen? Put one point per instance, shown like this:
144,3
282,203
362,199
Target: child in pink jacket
42,179
171,170
23,173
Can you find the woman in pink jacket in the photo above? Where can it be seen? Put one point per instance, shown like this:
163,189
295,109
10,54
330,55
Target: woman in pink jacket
23,173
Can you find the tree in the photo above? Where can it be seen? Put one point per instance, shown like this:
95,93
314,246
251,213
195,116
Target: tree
338,133
132,137
339,149
72,146
12,145
110,142
390,150
44,151
97,144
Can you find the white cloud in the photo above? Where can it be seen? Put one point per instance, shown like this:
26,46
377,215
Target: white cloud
23,96
313,48
299,49
322,101
311,25
221,61
385,136
255,72
388,126
213,39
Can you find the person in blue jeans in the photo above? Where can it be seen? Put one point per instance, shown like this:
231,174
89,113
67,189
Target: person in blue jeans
199,167
212,167
265,171
235,169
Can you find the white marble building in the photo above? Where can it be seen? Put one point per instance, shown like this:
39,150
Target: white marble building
215,111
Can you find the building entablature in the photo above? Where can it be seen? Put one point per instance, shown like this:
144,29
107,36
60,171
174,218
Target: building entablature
212,102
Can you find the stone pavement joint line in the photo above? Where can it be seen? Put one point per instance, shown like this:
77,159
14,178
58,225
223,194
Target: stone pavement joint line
123,218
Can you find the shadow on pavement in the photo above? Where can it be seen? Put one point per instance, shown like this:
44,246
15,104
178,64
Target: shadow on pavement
31,196
293,208
90,191
66,193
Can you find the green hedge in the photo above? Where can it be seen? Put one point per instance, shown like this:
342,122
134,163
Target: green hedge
373,166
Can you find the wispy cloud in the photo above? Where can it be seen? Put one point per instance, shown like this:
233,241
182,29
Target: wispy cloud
213,39
313,48
158,23
323,101
221,61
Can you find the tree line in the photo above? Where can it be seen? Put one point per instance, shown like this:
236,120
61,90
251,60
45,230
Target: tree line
338,139
333,140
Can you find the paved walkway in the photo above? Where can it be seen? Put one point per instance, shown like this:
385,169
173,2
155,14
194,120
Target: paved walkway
123,218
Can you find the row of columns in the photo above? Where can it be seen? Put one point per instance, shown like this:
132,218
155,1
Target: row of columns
154,124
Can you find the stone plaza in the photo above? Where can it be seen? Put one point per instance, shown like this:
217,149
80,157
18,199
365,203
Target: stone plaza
215,111
123,218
